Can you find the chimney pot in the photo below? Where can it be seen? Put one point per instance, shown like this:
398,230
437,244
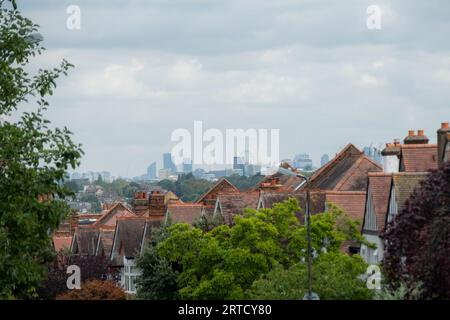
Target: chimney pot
420,133
411,133
444,125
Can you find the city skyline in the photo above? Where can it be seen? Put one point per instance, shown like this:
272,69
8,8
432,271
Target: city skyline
140,66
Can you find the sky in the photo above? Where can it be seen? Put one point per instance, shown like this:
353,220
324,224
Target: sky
311,68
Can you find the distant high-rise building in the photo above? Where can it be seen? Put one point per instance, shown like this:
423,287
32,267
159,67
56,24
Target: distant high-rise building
106,176
168,163
151,171
373,153
324,159
238,163
303,161
187,166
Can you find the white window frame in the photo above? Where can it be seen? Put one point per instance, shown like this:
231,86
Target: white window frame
129,275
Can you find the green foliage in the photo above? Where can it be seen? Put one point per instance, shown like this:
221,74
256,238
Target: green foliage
335,276
158,280
224,262
189,188
33,160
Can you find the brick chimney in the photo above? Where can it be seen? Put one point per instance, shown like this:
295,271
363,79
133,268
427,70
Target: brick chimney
140,203
442,141
414,138
156,204
73,221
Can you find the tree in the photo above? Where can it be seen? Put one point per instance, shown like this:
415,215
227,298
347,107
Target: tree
92,267
224,262
159,279
95,290
33,160
418,239
335,276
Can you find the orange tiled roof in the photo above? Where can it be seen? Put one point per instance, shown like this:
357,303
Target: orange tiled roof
184,213
110,216
379,187
352,202
222,186
346,172
418,157
60,243
232,204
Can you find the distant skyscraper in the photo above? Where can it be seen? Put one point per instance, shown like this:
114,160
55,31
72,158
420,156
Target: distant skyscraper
303,161
151,171
324,159
187,166
168,163
238,164
373,153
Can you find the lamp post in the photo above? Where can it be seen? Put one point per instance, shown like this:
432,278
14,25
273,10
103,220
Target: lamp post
285,168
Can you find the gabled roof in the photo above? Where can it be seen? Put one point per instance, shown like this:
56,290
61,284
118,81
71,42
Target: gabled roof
284,183
418,157
183,213
61,242
223,185
84,241
111,215
127,237
351,202
148,227
269,199
379,189
231,204
104,242
345,172
405,183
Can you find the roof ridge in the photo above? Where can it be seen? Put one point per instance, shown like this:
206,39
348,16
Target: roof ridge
333,161
223,179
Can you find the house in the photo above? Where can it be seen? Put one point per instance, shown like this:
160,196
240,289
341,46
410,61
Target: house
405,165
279,182
153,205
104,242
230,204
443,143
110,216
414,155
376,208
208,199
61,243
183,213
84,241
126,247
351,202
346,172
268,199
387,196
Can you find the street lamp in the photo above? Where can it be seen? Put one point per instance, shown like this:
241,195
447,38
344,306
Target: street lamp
286,169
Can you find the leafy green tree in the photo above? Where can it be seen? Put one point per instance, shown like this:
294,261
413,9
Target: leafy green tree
33,160
159,279
223,263
336,276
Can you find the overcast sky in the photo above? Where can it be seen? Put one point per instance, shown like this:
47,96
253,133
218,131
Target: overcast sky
310,68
